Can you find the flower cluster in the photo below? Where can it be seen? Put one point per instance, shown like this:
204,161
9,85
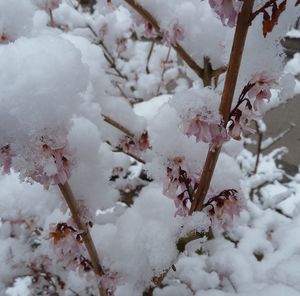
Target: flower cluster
207,131
227,10
45,282
109,282
51,165
135,145
223,207
249,105
179,185
67,242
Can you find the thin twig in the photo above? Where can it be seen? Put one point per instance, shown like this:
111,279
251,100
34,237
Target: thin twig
241,31
116,84
258,147
86,236
119,149
279,137
108,56
118,126
178,48
149,56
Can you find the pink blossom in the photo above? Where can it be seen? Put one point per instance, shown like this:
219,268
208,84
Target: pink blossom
149,31
224,207
51,165
179,184
249,105
227,10
68,247
239,122
181,203
207,131
109,282
260,90
135,145
173,35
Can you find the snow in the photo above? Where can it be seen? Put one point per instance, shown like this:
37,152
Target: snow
293,33
64,72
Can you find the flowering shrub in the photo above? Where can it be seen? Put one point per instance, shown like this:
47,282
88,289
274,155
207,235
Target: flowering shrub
105,114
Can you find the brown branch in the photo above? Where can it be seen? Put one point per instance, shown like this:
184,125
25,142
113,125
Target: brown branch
118,126
178,48
149,56
86,236
241,31
108,56
119,149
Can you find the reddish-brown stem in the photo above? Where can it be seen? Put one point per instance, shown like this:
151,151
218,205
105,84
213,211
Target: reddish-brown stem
243,23
82,226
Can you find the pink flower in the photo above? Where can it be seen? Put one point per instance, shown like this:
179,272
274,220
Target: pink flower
68,247
135,145
239,122
224,207
227,10
109,282
261,89
249,105
179,184
173,35
206,131
181,203
149,31
50,165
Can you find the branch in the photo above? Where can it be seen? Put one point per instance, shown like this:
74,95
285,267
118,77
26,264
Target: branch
119,149
86,236
279,137
177,47
118,126
258,148
108,56
149,56
241,31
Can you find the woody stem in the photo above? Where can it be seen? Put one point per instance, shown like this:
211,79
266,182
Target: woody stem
243,23
86,236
